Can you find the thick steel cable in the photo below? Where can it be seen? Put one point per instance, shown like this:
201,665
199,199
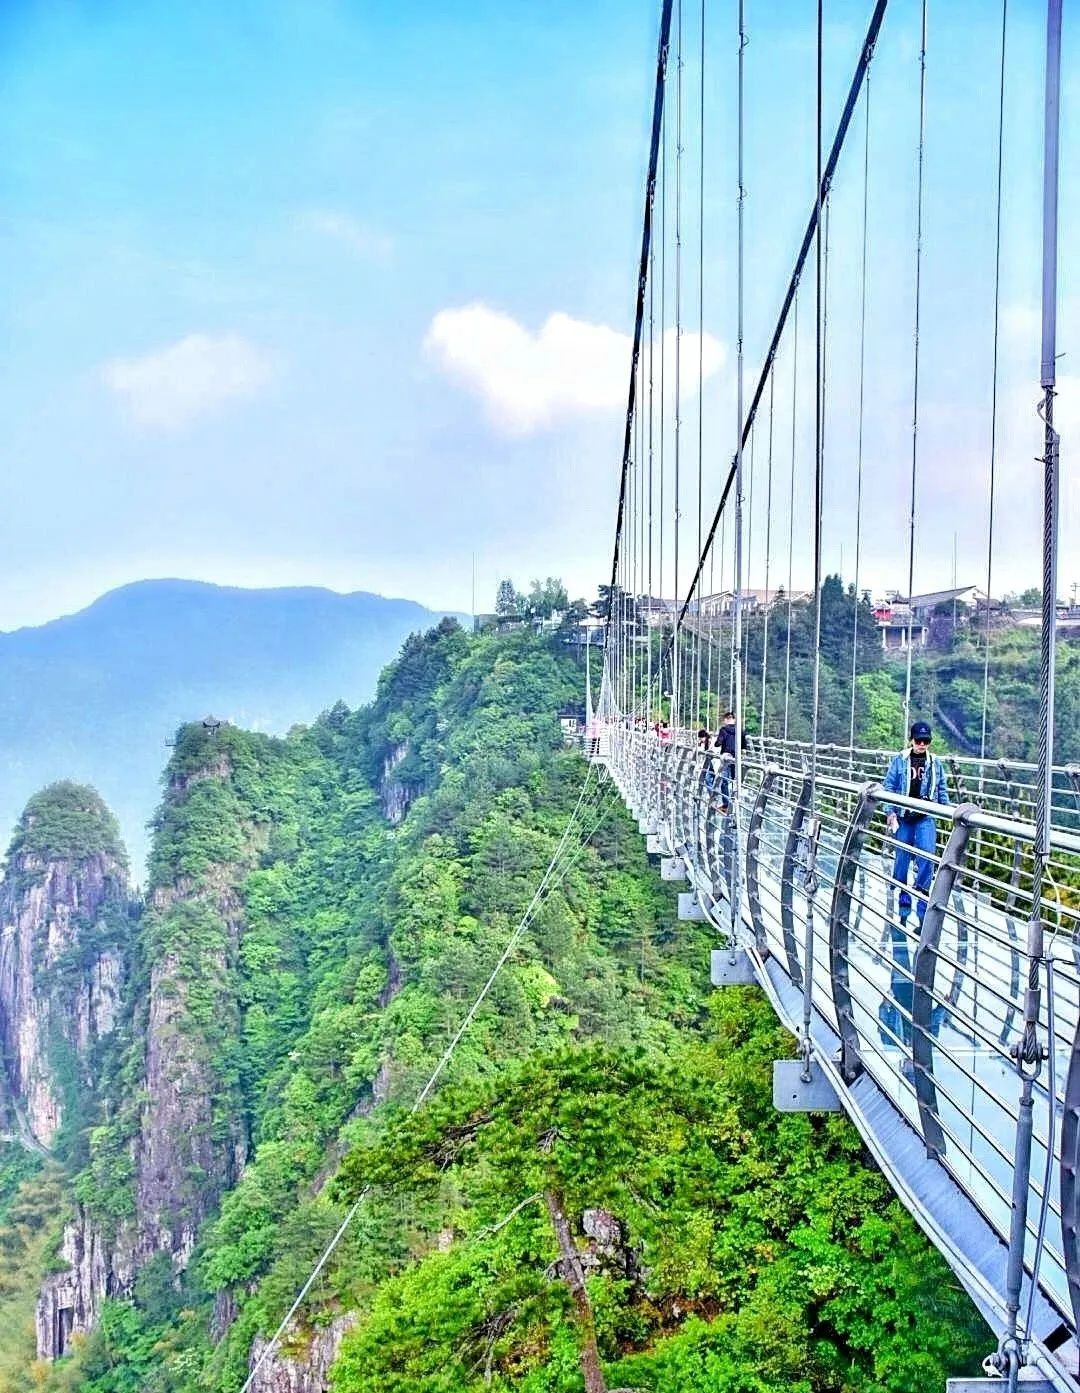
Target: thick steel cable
643,263
1048,1168
735,885
915,383
676,684
639,540
701,355
791,507
712,717
749,569
447,1055
652,351
768,553
1029,1051
631,582
810,874
641,629
731,635
862,399
994,381
663,379
825,330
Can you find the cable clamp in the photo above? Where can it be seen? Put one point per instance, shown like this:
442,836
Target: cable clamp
1029,1051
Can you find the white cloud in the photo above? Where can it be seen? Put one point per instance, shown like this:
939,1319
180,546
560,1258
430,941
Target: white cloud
531,381
184,380
364,241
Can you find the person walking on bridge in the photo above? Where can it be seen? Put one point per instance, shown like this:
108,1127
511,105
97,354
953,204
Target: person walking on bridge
915,773
726,738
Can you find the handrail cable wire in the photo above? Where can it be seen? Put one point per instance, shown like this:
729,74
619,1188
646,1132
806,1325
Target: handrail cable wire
643,267
862,398
994,381
915,382
547,882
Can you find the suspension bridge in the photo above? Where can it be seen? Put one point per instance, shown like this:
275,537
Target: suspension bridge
948,1030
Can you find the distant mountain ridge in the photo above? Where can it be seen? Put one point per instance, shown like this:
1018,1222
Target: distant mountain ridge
94,696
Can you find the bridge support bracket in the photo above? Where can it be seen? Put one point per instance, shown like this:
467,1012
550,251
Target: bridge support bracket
648,826
691,910
673,868
792,1093
653,844
729,969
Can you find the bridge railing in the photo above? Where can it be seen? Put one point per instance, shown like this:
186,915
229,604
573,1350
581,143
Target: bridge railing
1002,785
928,1004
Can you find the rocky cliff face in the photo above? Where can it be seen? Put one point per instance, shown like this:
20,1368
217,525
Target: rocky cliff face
70,1300
395,795
192,1142
191,1145
64,912
185,1137
301,1367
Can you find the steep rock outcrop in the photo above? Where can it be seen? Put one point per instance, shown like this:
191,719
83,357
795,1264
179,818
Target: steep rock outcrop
64,921
192,1143
306,1369
395,795
70,1300
179,1139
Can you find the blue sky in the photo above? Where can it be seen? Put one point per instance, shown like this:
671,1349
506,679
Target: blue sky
239,243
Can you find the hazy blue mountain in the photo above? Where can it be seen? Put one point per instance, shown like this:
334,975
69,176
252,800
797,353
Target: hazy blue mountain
95,696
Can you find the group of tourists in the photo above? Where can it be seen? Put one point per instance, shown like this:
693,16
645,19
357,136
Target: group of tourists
915,774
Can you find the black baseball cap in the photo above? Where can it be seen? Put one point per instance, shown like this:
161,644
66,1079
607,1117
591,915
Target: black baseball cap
921,731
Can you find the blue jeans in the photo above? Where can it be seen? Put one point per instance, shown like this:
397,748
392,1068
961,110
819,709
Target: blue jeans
920,833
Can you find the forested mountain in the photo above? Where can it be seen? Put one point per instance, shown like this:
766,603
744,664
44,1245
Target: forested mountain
599,1193
947,680
94,696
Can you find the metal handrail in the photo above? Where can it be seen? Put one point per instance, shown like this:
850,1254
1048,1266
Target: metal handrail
962,1001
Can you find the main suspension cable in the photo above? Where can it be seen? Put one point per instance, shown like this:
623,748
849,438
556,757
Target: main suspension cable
643,266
